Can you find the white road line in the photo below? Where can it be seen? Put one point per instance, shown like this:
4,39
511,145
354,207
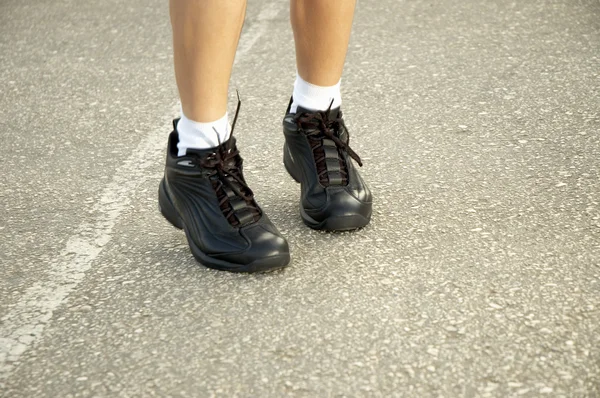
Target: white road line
24,325
255,31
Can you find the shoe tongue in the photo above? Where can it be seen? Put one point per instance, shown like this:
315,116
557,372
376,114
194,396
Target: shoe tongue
333,113
201,153
230,143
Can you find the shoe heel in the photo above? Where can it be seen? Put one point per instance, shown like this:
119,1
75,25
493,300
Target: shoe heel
289,164
166,207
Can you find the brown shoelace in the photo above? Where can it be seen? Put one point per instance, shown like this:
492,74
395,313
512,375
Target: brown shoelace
317,126
225,165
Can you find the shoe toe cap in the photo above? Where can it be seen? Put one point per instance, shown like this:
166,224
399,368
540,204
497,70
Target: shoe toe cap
265,241
342,210
266,249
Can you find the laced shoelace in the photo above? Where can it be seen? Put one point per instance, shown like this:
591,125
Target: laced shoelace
224,166
317,126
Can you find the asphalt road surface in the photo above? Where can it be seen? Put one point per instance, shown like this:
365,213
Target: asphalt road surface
478,123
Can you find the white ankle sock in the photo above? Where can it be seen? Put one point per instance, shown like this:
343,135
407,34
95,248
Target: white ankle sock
315,98
198,135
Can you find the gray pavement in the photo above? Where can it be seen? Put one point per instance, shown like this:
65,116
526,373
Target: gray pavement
480,273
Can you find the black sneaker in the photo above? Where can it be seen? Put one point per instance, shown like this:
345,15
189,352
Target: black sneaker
205,194
317,154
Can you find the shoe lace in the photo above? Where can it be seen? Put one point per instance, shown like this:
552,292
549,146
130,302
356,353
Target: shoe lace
317,126
225,171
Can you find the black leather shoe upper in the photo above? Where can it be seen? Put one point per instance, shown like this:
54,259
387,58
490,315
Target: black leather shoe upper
218,210
317,153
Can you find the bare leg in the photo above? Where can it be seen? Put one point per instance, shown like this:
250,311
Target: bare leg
321,32
205,38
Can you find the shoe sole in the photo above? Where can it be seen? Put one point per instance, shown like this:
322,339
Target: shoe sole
266,264
332,224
